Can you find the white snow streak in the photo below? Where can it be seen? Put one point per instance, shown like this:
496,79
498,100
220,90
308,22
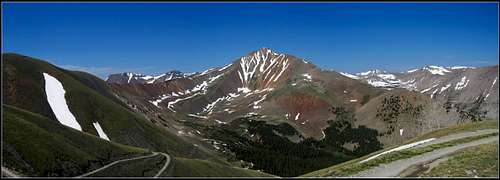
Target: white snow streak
198,116
434,92
308,76
462,83
425,90
349,75
297,116
413,70
225,67
244,90
100,131
444,88
55,96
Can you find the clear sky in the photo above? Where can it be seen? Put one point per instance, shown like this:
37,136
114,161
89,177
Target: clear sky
152,38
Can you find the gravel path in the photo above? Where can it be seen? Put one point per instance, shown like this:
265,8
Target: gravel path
393,169
164,166
130,159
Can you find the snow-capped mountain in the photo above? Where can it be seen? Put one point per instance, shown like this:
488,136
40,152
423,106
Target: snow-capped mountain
379,78
455,83
250,84
261,96
263,82
128,77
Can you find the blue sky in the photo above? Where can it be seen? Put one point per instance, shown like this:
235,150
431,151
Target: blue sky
152,38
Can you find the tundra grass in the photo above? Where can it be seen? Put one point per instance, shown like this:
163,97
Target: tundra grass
477,161
352,167
37,146
486,124
202,168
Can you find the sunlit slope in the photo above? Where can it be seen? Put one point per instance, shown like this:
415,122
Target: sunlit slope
37,146
90,101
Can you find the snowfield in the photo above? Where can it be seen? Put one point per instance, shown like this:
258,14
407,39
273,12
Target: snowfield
100,131
55,96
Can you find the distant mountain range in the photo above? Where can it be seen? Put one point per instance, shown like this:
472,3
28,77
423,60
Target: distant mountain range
265,111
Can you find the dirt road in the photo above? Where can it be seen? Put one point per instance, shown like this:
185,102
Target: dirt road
130,159
393,169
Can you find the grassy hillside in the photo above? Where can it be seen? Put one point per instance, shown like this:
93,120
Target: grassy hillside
201,168
479,161
37,146
490,124
90,101
147,167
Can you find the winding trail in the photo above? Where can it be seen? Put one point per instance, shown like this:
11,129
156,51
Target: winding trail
131,159
395,168
164,166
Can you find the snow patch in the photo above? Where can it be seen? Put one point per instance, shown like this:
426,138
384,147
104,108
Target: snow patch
349,75
228,111
220,122
462,83
460,67
129,77
308,76
297,116
444,88
100,132
436,70
198,116
425,90
387,76
494,81
376,71
244,90
413,70
434,92
55,96
225,67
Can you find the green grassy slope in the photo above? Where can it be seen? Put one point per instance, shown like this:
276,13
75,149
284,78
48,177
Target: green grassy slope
90,101
147,167
478,161
488,124
37,146
201,168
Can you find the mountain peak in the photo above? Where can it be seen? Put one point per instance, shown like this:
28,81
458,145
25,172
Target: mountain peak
370,72
263,51
436,69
